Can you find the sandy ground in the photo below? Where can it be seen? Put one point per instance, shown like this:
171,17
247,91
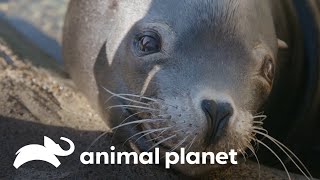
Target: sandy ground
37,99
38,20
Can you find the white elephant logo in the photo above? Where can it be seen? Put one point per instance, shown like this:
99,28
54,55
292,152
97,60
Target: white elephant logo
47,152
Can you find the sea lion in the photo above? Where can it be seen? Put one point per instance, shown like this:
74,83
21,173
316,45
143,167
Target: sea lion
193,74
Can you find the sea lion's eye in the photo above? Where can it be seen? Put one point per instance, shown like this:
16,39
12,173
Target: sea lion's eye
147,43
268,69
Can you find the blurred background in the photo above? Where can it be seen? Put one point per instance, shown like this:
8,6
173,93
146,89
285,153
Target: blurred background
40,22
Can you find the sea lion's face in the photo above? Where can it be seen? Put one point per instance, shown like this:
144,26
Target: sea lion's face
202,68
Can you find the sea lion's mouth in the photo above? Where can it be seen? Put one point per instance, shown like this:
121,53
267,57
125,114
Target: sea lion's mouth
141,136
154,138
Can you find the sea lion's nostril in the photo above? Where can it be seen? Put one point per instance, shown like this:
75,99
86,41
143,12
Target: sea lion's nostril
218,115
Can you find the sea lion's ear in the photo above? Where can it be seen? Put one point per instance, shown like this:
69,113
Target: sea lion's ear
282,44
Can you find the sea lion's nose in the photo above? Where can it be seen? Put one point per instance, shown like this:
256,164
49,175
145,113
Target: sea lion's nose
218,115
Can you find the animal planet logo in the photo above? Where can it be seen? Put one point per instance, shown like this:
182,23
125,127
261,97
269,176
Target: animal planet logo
47,152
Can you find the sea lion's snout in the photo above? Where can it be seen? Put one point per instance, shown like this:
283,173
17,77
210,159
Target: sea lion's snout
218,115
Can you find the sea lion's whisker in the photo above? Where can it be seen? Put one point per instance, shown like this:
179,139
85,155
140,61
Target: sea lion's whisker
132,100
257,122
145,134
133,127
295,156
91,145
255,155
256,145
126,120
138,96
191,143
163,129
279,144
243,155
154,138
134,114
138,121
149,131
242,148
131,106
275,154
261,129
159,135
179,144
130,95
162,141
263,117
260,116
127,99
97,139
259,113
159,101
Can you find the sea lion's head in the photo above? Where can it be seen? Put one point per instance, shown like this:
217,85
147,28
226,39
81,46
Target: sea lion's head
190,74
